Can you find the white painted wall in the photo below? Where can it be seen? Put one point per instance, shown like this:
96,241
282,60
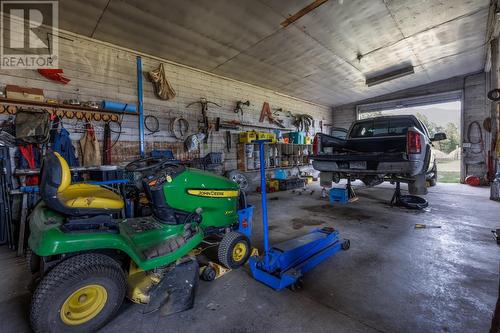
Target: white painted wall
102,71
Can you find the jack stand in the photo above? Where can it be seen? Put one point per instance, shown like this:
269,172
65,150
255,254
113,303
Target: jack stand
408,201
351,195
396,197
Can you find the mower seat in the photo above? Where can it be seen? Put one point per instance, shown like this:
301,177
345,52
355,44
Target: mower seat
60,195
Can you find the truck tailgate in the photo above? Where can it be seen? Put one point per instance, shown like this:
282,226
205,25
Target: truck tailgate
380,145
378,157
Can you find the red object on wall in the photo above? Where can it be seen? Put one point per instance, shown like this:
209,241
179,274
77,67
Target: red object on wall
29,156
54,74
473,180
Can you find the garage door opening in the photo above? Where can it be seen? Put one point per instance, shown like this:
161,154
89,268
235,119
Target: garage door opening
438,117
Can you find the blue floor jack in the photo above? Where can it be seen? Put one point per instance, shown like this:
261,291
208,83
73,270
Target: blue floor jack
284,264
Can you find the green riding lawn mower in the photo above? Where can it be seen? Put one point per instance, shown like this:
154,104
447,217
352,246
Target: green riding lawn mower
86,261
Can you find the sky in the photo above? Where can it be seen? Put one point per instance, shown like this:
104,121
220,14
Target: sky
440,114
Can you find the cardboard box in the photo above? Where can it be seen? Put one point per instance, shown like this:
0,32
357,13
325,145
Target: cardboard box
24,93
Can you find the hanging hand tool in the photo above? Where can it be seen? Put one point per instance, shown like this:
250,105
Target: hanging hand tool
266,112
217,124
204,108
303,122
239,106
228,141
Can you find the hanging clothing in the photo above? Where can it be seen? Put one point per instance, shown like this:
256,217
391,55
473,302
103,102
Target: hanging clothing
63,145
29,158
54,130
106,149
89,145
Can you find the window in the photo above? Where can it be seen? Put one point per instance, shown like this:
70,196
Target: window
381,127
339,133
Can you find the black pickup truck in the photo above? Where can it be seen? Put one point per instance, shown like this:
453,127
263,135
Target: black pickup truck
395,148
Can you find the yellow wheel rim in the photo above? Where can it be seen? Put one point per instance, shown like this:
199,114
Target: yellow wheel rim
239,251
84,304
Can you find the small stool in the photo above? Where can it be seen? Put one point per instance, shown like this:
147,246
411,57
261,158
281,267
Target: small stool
339,195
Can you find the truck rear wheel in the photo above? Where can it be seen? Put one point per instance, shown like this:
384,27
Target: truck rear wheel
234,250
418,187
80,294
433,179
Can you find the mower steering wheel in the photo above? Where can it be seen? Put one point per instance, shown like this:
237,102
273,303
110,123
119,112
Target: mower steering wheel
147,164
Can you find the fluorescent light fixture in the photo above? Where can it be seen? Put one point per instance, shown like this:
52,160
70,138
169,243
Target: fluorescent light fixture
389,76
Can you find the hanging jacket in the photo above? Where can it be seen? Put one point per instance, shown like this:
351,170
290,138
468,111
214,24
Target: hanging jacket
63,145
91,154
29,158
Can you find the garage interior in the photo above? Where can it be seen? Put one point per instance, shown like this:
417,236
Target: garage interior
179,86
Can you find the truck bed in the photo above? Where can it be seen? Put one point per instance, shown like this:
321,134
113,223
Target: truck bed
372,146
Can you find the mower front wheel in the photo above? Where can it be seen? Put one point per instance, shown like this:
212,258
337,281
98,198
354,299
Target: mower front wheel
234,250
80,294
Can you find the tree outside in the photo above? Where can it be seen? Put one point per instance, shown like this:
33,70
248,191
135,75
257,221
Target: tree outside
450,129
442,117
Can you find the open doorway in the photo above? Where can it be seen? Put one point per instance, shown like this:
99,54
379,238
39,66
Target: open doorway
438,117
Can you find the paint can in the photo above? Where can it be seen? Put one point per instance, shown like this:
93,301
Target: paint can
256,154
249,150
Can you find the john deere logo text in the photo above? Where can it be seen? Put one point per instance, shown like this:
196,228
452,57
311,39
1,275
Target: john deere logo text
214,193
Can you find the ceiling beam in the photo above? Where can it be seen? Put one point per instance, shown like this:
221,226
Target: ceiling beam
302,12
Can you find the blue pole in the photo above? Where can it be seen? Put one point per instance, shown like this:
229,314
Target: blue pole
264,203
140,105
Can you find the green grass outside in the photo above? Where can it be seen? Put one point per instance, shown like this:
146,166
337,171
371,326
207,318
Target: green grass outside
448,171
448,176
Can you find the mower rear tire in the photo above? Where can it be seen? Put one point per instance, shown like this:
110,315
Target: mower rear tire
234,250
81,294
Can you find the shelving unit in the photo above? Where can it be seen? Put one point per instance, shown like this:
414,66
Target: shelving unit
277,155
9,106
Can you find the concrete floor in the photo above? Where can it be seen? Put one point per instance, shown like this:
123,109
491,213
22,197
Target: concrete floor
393,279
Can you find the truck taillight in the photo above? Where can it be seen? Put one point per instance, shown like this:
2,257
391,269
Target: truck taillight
413,142
316,145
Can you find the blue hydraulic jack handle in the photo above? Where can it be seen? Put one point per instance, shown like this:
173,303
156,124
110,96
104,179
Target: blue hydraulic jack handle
264,199
283,264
